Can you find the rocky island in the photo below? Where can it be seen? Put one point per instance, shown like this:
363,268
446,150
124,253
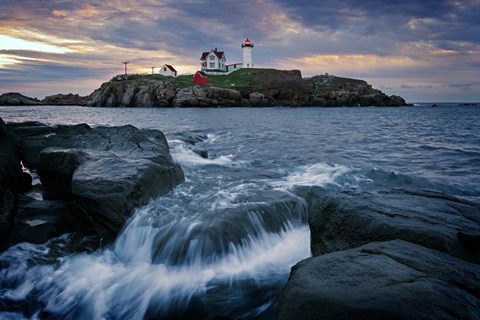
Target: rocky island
245,87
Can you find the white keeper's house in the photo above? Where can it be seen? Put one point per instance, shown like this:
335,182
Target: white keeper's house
214,61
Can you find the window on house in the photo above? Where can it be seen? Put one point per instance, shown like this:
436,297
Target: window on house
212,57
164,68
212,65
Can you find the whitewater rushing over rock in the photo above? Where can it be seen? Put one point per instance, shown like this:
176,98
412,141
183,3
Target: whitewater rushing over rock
215,246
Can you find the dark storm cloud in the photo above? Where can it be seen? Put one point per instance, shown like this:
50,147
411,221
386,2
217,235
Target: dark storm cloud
406,20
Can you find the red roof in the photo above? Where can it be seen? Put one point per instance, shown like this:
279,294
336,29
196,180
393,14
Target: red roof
171,68
247,41
201,73
219,54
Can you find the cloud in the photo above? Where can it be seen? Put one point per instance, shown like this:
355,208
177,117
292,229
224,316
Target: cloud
388,43
466,87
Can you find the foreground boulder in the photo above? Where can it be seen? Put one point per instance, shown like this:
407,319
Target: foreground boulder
13,181
435,220
37,221
396,254
32,135
96,176
107,171
382,280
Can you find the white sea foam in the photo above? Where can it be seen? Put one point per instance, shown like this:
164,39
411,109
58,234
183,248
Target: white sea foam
96,284
186,157
318,174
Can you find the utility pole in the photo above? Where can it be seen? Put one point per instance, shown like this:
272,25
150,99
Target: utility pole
125,63
153,68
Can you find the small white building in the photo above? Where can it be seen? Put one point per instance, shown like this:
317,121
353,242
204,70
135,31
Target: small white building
168,70
213,60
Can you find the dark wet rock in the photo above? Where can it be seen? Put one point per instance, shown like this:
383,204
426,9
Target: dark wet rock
107,171
17,99
191,138
56,168
40,220
32,140
382,280
228,225
345,220
110,187
202,152
103,172
12,176
397,254
13,181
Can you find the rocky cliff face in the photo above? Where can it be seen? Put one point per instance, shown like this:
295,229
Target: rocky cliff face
330,91
134,93
66,100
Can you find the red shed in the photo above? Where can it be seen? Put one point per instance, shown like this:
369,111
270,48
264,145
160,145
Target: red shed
200,78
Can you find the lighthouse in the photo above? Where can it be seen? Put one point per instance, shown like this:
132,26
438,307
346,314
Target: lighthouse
247,46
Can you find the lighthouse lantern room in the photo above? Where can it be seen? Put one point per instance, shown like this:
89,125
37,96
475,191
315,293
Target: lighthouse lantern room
247,46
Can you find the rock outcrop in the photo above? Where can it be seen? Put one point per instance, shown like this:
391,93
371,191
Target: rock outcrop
135,93
92,178
13,181
66,100
198,96
17,99
396,254
107,171
382,280
331,91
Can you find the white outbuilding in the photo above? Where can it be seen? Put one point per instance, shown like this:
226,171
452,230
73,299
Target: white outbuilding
168,70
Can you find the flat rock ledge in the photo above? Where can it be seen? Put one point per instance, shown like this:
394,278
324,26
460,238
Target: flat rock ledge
95,176
396,254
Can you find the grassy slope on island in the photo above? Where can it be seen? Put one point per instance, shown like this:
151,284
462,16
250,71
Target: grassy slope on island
241,78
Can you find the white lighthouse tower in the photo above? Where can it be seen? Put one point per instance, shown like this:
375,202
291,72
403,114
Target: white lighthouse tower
247,46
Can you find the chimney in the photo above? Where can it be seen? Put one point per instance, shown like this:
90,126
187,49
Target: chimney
215,49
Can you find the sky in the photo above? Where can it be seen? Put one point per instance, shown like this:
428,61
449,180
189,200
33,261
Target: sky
427,50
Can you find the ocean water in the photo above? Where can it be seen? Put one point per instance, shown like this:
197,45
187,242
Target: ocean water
222,243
